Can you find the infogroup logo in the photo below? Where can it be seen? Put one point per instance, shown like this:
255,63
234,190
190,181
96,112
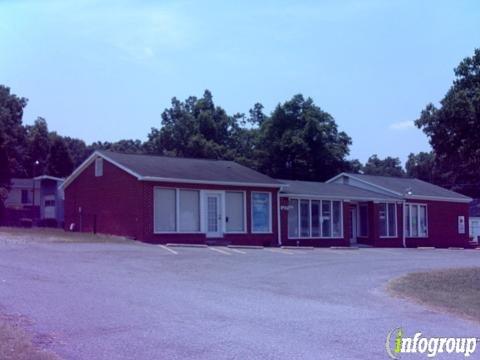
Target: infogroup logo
397,343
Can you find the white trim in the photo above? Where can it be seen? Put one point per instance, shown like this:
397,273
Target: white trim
419,197
48,177
221,204
387,218
269,231
206,182
336,197
418,205
88,161
244,211
365,182
438,198
177,211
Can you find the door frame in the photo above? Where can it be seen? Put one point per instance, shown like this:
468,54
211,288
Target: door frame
221,213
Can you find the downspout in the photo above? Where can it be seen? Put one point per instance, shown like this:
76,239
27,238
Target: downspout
279,228
404,239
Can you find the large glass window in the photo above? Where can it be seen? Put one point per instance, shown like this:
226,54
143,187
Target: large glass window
416,220
363,223
387,215
165,210
336,217
326,219
315,218
261,212
305,218
189,204
235,211
293,218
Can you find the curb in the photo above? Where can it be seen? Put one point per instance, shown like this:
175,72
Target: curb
245,247
297,247
344,247
456,248
186,245
426,248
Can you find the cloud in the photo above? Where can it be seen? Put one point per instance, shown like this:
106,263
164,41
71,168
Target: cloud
402,125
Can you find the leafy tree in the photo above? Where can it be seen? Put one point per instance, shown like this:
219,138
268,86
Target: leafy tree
14,139
124,146
60,163
301,141
422,166
385,167
77,149
38,147
453,129
4,177
194,128
354,166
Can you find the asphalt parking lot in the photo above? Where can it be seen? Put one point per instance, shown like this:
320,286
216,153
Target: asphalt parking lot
136,301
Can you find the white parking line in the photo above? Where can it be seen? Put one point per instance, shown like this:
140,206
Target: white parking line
237,251
219,250
168,249
280,251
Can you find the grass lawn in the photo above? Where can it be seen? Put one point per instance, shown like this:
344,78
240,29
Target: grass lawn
18,235
17,344
452,290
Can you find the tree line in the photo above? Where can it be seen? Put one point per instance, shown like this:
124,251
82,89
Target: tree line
297,140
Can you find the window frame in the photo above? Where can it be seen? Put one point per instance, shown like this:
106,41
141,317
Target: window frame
409,222
269,231
299,237
177,211
387,218
244,195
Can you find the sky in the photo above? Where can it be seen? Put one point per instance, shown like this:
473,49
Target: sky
105,70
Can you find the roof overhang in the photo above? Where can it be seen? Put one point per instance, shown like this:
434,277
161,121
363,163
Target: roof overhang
344,198
139,177
365,182
465,200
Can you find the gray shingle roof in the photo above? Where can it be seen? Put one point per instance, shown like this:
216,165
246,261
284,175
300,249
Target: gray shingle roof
189,169
333,190
416,186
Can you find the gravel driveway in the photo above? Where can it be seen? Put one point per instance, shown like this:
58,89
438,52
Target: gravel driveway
136,301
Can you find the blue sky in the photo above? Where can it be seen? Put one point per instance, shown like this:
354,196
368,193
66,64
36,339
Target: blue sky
105,70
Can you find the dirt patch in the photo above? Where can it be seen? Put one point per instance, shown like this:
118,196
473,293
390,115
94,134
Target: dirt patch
452,290
17,344
10,235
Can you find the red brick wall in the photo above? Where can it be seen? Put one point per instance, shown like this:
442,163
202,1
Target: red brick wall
247,238
111,203
442,218
117,203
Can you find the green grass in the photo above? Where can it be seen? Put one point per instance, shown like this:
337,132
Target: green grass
452,290
17,344
23,235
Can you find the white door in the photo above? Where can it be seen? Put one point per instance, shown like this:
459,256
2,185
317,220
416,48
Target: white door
49,207
353,225
214,215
